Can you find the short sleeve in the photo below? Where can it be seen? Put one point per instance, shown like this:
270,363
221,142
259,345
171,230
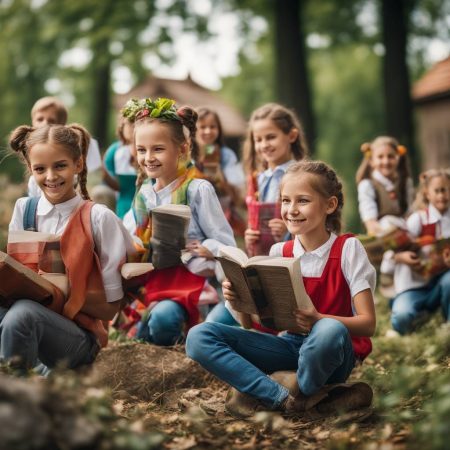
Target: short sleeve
356,267
277,249
16,223
414,224
93,159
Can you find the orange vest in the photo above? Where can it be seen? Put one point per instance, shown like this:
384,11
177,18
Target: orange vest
81,263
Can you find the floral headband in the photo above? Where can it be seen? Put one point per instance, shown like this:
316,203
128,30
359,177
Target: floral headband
366,149
163,108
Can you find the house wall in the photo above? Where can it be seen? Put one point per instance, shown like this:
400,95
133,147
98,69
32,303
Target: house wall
434,133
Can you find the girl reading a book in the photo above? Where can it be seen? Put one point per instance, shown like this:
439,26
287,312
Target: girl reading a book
220,166
335,332
165,140
385,193
69,330
422,277
274,141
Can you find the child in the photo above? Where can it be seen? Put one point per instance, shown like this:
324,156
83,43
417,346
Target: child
220,166
274,140
120,165
340,281
163,138
71,331
51,111
385,193
416,293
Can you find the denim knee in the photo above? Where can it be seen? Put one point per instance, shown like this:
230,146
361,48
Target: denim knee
165,325
20,316
403,314
330,336
197,340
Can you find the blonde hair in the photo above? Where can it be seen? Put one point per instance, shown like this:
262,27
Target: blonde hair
421,201
51,102
324,181
285,120
365,170
72,137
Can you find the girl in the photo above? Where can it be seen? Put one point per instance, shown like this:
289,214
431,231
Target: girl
71,331
120,165
339,279
385,193
274,140
164,138
416,292
220,165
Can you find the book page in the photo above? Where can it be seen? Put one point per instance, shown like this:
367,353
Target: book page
235,274
131,270
174,209
233,254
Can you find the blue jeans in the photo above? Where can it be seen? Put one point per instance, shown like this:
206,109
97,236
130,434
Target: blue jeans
243,358
34,333
221,314
165,324
409,305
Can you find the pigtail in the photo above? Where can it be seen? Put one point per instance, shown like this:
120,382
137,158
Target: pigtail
18,141
249,160
364,170
83,144
188,117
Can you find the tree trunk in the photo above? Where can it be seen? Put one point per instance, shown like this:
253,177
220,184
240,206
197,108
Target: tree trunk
398,108
291,66
101,100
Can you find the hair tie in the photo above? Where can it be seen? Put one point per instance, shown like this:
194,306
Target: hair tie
401,150
365,149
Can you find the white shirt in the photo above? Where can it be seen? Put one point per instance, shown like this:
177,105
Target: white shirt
93,162
112,241
367,197
356,268
208,223
269,182
404,277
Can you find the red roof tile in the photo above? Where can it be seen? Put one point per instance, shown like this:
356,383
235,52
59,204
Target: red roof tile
435,83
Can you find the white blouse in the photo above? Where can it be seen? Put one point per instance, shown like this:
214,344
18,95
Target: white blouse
112,240
269,182
404,277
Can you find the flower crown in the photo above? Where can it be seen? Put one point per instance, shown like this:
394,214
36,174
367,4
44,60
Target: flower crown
367,151
163,108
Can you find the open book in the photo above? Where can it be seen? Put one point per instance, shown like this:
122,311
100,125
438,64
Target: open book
270,287
169,234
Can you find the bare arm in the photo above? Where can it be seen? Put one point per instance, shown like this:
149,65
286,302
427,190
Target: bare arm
362,324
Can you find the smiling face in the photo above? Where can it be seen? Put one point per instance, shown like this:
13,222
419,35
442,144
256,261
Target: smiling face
271,143
157,153
207,130
54,170
385,159
437,193
303,209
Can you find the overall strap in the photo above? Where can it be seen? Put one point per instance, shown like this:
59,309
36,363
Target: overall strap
338,245
288,249
29,216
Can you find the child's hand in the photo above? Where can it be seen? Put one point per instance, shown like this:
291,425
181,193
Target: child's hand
446,256
306,318
251,236
228,292
199,250
278,229
373,227
408,257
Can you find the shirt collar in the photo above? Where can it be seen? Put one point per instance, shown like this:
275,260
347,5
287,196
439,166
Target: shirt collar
45,207
320,252
281,168
434,215
386,182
